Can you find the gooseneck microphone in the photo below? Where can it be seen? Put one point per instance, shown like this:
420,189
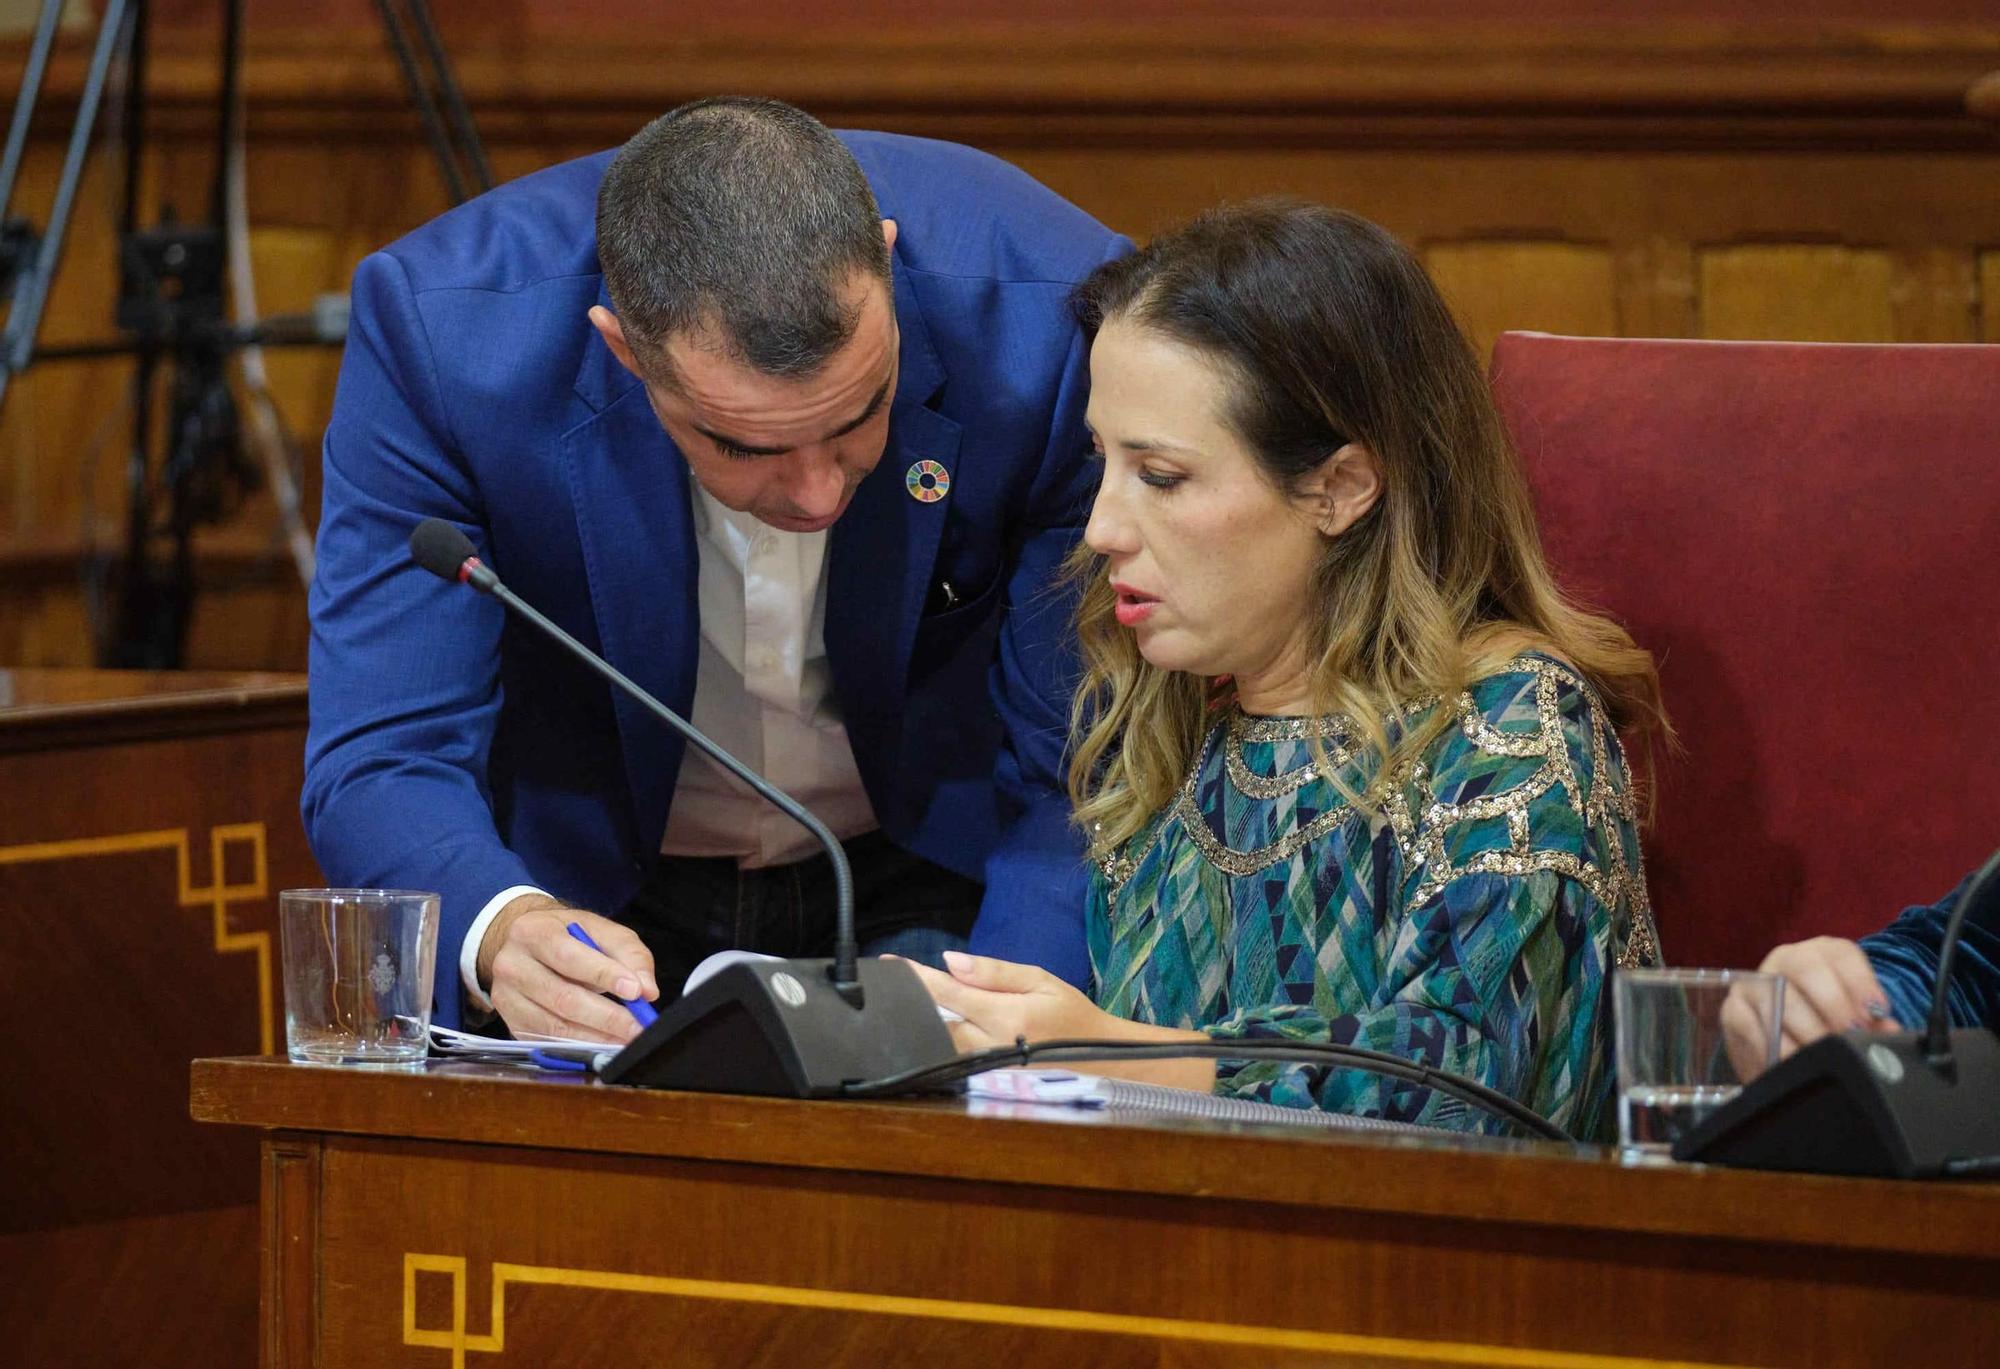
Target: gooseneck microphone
804,1028
1907,1105
447,553
1984,885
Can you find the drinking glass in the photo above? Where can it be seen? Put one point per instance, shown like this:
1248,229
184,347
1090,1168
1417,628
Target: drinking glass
1676,1061
358,966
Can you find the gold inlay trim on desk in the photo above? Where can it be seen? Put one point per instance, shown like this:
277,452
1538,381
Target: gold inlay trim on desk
216,896
459,1341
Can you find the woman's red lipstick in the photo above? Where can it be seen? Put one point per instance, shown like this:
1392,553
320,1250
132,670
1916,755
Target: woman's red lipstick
1134,606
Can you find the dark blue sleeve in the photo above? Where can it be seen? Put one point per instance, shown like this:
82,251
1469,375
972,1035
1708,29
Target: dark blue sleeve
404,668
1036,878
1905,958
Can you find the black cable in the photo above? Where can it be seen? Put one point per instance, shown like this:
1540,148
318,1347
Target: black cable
452,96
230,79
420,96
1471,1091
134,44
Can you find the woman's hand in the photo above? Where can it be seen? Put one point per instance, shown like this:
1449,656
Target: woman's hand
1829,987
1001,1001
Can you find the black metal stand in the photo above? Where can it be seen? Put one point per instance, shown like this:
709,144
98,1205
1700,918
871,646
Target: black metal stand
171,309
30,259
460,162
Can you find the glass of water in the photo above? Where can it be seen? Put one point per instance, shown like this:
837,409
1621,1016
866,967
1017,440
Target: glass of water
358,966
1684,1048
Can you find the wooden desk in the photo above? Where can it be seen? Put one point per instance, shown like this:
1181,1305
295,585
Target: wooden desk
147,822
473,1216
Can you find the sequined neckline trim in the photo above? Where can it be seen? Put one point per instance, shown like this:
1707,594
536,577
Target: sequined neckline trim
1227,858
1245,728
1332,730
1257,786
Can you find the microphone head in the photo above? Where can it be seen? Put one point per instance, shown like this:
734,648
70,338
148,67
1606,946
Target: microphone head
440,548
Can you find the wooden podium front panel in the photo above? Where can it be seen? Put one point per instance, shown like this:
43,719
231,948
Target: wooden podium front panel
468,1256
457,1219
147,822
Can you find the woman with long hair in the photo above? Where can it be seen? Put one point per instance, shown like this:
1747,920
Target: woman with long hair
1347,760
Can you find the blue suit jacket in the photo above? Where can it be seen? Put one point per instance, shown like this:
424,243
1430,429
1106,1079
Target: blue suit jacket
452,749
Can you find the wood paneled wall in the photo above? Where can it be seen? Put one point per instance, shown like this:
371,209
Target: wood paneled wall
1703,177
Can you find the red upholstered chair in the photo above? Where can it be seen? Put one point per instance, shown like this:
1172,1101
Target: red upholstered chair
1807,537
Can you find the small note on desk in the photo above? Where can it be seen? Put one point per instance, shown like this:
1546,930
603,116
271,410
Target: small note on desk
460,1045
1066,1088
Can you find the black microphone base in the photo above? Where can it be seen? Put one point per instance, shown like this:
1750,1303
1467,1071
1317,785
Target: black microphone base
1864,1103
780,1028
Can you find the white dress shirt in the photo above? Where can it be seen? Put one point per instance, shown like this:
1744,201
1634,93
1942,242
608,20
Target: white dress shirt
763,690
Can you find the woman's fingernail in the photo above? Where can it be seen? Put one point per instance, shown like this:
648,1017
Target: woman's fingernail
958,960
627,987
1878,1009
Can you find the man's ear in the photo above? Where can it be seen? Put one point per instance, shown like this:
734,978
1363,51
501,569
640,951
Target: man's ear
889,233
607,326
1343,488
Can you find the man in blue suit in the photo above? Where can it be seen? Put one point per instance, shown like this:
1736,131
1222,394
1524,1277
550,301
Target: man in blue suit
788,425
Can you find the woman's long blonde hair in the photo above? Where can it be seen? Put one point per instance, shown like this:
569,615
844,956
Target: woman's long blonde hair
1333,334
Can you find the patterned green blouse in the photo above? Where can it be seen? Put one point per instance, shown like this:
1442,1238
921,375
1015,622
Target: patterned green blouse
1471,925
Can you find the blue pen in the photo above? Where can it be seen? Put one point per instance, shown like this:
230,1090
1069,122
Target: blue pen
638,1007
552,1060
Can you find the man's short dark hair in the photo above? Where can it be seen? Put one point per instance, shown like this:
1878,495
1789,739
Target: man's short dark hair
742,216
